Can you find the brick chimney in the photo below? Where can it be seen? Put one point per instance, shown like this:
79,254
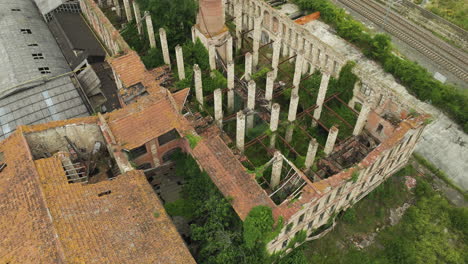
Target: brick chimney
210,19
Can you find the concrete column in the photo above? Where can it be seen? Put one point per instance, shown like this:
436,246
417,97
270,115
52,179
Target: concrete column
165,48
270,81
212,57
218,107
198,84
321,95
293,103
194,35
292,43
248,66
128,10
136,9
276,170
314,56
154,153
256,39
240,131
229,50
311,152
285,43
307,50
298,68
362,119
117,8
332,134
251,103
230,84
274,121
180,62
289,133
276,55
239,26
149,27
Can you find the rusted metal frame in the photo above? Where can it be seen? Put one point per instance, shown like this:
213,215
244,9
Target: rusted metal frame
265,44
343,102
265,147
288,145
251,142
292,57
337,115
318,122
245,32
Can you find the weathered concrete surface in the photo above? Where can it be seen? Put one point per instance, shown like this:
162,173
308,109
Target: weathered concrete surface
446,146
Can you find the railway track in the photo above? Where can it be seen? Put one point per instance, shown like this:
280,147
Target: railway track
447,56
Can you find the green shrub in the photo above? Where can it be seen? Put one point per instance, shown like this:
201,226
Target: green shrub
349,216
153,58
258,223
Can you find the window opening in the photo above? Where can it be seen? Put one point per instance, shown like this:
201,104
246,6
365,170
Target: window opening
37,56
44,70
26,31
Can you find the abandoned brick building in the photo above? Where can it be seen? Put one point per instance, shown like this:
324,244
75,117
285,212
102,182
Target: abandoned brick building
307,163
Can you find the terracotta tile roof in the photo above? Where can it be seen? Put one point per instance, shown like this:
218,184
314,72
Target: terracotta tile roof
306,19
137,124
181,96
230,176
128,225
27,233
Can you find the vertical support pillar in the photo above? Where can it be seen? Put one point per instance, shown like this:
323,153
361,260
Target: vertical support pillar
298,68
230,85
136,9
321,96
256,39
198,84
128,10
117,8
361,121
286,42
194,35
248,66
270,81
218,107
165,48
274,121
229,50
240,131
154,153
307,50
276,170
311,152
212,57
293,42
239,26
149,27
276,55
180,62
332,134
251,104
293,103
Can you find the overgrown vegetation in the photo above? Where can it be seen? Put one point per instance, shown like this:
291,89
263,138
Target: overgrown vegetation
456,11
431,230
416,78
216,232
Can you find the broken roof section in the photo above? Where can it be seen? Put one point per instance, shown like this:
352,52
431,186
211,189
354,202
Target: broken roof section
50,220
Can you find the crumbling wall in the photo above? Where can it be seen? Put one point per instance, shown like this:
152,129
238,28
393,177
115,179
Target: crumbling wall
53,140
106,32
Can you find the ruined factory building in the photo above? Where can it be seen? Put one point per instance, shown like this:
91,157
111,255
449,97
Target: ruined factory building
70,195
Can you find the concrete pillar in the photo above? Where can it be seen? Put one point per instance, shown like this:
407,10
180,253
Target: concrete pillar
136,9
293,103
292,44
240,131
128,10
198,84
332,134
218,107
362,119
149,27
194,35
298,68
117,8
307,50
229,56
270,81
212,57
276,170
248,66
256,39
238,21
321,96
230,84
154,153
164,47
289,133
286,42
274,121
251,103
180,62
276,55
311,152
